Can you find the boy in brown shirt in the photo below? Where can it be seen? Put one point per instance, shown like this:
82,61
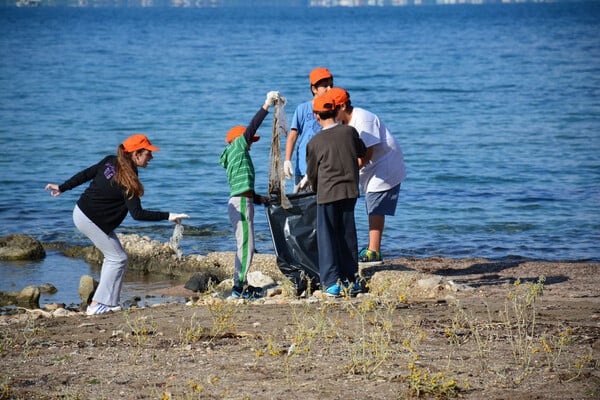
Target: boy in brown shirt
332,171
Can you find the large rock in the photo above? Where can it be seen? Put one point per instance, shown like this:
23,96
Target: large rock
21,247
222,264
29,297
147,256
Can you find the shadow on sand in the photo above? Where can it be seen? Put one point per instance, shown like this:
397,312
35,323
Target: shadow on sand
477,274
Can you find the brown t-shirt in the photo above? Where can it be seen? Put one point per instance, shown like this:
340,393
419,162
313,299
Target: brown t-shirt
332,163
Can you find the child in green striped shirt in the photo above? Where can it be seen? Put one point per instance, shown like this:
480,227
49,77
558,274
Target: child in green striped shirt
240,176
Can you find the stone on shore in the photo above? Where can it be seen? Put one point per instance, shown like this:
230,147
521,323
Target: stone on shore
87,288
29,297
47,288
215,270
21,247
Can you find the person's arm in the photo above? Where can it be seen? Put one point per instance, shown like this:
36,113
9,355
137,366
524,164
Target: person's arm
79,178
290,143
255,124
311,168
270,100
288,168
372,132
137,212
362,161
361,150
258,199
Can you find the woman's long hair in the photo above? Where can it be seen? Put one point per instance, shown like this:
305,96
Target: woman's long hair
126,175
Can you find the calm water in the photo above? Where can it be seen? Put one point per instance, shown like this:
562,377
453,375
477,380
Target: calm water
497,109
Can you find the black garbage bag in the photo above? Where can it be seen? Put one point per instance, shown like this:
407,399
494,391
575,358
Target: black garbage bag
294,233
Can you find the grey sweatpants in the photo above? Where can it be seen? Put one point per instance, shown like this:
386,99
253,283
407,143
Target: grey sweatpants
115,259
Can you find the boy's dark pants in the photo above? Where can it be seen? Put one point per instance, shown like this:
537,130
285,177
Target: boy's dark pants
337,242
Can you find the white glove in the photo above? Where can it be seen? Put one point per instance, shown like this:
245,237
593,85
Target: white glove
177,217
303,183
272,98
288,169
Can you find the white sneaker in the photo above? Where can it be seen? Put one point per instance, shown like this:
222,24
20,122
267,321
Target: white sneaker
100,309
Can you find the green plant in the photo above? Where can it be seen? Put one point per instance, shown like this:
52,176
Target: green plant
466,327
140,328
421,381
140,331
373,338
223,318
582,363
552,346
5,392
193,333
519,319
310,326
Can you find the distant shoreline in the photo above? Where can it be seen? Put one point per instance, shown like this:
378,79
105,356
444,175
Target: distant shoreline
212,4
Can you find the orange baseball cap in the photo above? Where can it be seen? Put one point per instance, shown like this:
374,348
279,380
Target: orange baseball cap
318,74
339,95
137,142
238,131
323,103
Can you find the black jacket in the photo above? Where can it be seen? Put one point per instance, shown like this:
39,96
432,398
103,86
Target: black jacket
104,202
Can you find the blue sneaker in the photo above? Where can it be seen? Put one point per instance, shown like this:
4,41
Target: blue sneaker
247,293
236,292
351,289
369,257
252,292
333,291
362,252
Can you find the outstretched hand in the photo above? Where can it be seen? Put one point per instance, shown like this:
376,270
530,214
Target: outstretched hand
272,98
54,190
303,184
264,199
177,217
288,169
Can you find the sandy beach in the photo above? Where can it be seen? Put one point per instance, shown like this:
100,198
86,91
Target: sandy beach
430,328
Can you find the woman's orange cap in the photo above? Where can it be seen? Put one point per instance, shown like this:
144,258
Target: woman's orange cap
137,142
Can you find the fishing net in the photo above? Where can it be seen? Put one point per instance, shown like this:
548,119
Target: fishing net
276,176
176,238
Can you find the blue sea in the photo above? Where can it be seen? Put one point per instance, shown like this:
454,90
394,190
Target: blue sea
496,107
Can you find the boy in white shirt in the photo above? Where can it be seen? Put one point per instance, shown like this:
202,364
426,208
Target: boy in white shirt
381,171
